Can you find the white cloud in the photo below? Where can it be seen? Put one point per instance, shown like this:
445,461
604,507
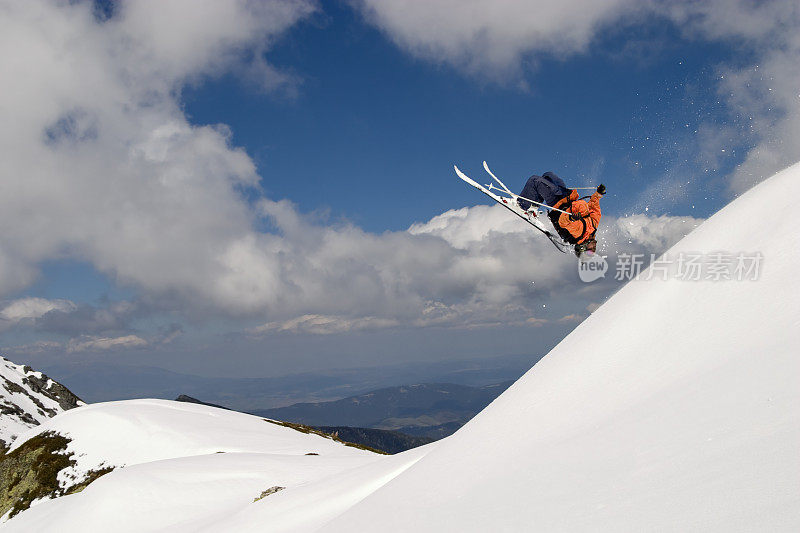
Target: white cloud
768,96
32,308
99,161
762,96
652,233
84,343
536,322
467,267
497,35
323,325
98,344
101,165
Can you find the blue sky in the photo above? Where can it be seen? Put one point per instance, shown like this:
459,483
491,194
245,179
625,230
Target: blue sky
247,189
369,122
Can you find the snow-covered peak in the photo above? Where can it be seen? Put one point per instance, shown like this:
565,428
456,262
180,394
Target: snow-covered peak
28,398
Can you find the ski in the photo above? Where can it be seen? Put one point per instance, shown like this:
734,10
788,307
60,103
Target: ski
510,203
495,178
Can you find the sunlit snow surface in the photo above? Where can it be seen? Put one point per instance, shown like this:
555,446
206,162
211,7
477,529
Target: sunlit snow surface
184,464
674,407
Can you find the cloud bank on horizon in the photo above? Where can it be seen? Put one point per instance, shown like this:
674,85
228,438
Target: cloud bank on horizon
102,165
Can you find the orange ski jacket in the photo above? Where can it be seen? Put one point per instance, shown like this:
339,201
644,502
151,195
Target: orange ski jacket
583,228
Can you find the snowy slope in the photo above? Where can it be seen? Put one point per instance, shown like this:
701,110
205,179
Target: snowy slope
139,431
182,494
179,458
674,407
28,398
308,507
176,480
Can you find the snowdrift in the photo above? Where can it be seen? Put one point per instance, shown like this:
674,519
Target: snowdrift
675,406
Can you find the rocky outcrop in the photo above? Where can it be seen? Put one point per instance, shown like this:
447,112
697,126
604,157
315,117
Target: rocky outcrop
31,472
28,398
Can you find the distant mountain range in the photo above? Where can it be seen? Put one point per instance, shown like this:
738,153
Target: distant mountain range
432,410
379,439
102,381
390,442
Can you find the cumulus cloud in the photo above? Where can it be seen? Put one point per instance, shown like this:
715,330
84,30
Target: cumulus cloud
99,160
497,36
103,166
765,96
30,309
761,96
466,267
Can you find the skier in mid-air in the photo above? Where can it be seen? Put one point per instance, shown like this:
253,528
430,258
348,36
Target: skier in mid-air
574,218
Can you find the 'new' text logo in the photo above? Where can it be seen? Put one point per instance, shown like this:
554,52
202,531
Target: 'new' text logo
592,267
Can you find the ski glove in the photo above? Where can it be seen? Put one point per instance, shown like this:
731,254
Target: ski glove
601,189
574,216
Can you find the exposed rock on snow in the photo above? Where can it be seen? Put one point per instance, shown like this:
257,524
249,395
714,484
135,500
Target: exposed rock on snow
28,398
271,490
32,472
